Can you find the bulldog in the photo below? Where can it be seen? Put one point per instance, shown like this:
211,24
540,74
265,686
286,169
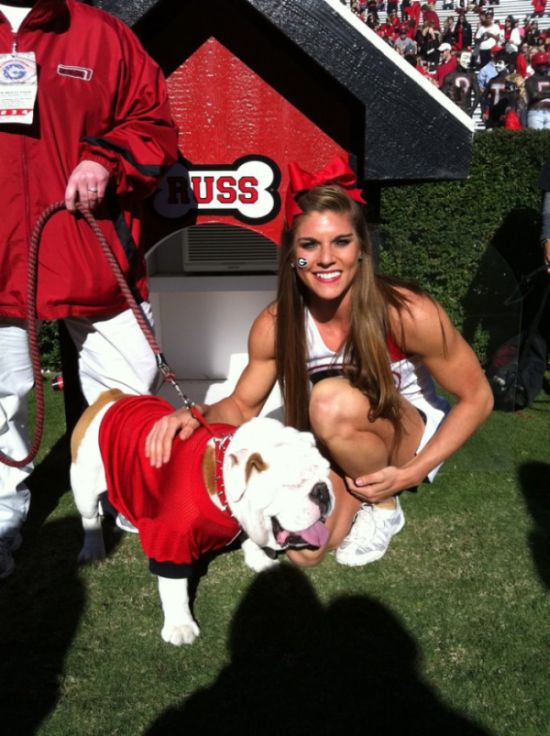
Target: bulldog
264,479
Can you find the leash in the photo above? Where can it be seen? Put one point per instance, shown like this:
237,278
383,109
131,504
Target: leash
167,373
32,333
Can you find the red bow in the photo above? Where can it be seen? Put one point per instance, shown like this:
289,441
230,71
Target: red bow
336,171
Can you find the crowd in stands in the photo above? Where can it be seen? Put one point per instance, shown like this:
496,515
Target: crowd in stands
502,66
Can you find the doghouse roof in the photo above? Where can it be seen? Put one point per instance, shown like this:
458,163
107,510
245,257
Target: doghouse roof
406,128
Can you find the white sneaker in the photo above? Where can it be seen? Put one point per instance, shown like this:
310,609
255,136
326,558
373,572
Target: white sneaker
370,535
125,524
107,509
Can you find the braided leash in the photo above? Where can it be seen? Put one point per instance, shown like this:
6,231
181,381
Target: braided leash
167,373
32,333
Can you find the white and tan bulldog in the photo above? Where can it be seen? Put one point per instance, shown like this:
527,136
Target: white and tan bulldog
265,479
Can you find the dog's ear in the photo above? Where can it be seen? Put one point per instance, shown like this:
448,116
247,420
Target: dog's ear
254,463
235,458
248,465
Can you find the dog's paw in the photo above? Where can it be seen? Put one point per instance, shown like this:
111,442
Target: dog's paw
262,563
181,634
85,557
93,545
255,558
93,549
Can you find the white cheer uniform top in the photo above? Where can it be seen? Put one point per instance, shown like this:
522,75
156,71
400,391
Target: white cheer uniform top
412,379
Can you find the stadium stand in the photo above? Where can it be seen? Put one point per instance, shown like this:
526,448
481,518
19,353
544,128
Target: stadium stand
521,10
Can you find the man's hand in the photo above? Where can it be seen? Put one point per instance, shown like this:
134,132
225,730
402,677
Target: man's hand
158,445
87,185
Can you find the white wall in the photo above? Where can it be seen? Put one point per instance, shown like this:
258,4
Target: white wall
202,323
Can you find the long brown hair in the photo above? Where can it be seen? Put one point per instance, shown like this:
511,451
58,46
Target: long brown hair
366,351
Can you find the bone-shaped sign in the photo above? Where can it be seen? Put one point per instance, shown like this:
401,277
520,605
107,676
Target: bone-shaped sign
246,189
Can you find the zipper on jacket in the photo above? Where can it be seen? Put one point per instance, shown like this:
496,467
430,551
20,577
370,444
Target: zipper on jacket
26,190
24,169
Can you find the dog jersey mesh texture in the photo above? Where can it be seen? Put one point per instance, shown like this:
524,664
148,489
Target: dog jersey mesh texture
170,506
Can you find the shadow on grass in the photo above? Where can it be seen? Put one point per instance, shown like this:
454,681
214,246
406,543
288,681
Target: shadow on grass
534,479
300,667
47,483
40,607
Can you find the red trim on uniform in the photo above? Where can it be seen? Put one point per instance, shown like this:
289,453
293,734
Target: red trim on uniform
394,350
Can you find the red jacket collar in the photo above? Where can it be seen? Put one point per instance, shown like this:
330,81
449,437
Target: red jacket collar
44,12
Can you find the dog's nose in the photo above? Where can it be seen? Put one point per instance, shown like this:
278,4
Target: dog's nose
320,495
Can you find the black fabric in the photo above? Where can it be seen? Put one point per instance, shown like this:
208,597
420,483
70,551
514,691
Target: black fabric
516,370
544,179
122,229
171,570
147,169
329,373
126,240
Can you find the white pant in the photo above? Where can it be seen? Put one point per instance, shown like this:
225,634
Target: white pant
112,353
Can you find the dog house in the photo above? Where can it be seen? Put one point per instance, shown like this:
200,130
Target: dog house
255,84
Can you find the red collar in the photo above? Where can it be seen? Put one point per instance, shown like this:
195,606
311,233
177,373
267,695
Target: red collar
220,446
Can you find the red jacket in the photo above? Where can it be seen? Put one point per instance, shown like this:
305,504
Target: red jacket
119,117
176,518
445,68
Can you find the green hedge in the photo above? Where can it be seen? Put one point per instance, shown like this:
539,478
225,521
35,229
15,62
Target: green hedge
469,242
50,354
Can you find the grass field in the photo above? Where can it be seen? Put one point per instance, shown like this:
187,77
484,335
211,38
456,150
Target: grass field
448,634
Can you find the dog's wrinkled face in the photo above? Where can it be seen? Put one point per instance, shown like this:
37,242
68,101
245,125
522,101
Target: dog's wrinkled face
277,485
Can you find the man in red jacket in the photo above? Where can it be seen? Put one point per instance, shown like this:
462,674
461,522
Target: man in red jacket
447,63
84,117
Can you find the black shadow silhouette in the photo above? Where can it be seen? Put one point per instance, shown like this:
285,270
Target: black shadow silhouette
534,479
505,274
40,607
47,483
297,667
493,302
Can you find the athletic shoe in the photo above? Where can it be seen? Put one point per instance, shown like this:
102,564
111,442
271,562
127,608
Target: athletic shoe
370,535
125,524
8,544
107,509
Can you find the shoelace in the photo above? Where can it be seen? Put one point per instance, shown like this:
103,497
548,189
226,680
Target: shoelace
363,523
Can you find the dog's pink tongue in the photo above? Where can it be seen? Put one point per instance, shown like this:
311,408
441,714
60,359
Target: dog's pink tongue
316,535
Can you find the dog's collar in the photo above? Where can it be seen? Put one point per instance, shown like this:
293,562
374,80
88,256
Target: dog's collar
220,446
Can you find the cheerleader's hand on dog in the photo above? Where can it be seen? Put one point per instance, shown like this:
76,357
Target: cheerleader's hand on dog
158,445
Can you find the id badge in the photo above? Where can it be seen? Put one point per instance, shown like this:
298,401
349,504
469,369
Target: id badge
18,87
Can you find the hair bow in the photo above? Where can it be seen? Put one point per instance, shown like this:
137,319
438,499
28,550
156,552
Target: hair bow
336,171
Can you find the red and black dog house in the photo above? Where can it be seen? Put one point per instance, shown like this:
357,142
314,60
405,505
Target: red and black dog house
254,85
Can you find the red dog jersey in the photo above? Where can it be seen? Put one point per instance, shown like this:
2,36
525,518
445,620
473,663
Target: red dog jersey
170,506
